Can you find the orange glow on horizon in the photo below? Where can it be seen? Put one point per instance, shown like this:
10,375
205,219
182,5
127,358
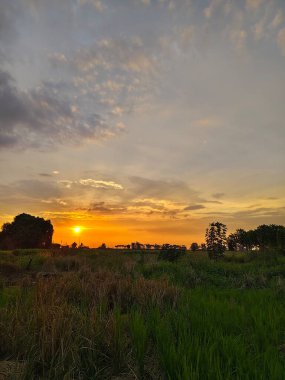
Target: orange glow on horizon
111,232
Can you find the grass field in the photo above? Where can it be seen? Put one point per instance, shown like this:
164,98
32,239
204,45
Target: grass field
123,315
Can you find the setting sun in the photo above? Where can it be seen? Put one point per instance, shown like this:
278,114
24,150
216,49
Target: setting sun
77,229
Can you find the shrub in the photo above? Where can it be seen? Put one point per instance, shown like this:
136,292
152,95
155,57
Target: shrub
171,254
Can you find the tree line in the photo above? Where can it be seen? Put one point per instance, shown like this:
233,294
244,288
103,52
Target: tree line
27,231
265,236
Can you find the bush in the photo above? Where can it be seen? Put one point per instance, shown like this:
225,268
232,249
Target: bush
172,254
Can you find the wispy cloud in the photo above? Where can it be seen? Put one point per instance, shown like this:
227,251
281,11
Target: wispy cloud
194,207
100,184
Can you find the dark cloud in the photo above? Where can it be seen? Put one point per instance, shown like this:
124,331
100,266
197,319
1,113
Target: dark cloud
210,201
218,195
106,208
45,175
42,118
194,207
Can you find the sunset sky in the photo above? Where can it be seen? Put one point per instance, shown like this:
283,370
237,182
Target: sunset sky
142,119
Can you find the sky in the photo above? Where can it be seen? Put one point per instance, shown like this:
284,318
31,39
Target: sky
142,120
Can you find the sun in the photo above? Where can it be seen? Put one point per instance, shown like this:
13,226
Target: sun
77,229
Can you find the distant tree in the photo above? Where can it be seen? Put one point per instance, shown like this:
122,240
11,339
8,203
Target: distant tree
265,236
216,239
194,247
268,236
137,246
203,247
232,242
73,245
82,246
103,246
26,231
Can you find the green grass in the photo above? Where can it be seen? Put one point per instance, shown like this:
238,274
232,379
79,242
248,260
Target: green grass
111,314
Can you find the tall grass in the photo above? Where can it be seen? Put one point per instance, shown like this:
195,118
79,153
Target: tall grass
101,317
139,334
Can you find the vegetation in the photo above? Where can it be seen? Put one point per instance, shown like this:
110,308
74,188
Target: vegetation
143,311
216,240
263,237
105,314
26,231
194,247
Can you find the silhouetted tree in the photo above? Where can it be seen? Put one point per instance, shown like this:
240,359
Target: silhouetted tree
194,247
73,245
267,236
26,231
232,241
216,240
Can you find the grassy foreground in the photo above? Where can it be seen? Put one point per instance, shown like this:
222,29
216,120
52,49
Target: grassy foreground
118,315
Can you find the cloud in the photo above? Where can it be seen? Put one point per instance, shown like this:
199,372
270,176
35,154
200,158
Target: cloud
8,16
281,40
45,175
97,4
100,184
253,4
278,19
66,183
211,201
145,2
218,195
194,207
43,118
208,11
35,189
186,36
258,30
117,75
127,54
259,212
106,208
239,38
91,183
161,189
57,201
208,122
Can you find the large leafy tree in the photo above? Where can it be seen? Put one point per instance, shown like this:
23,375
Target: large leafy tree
216,240
26,231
